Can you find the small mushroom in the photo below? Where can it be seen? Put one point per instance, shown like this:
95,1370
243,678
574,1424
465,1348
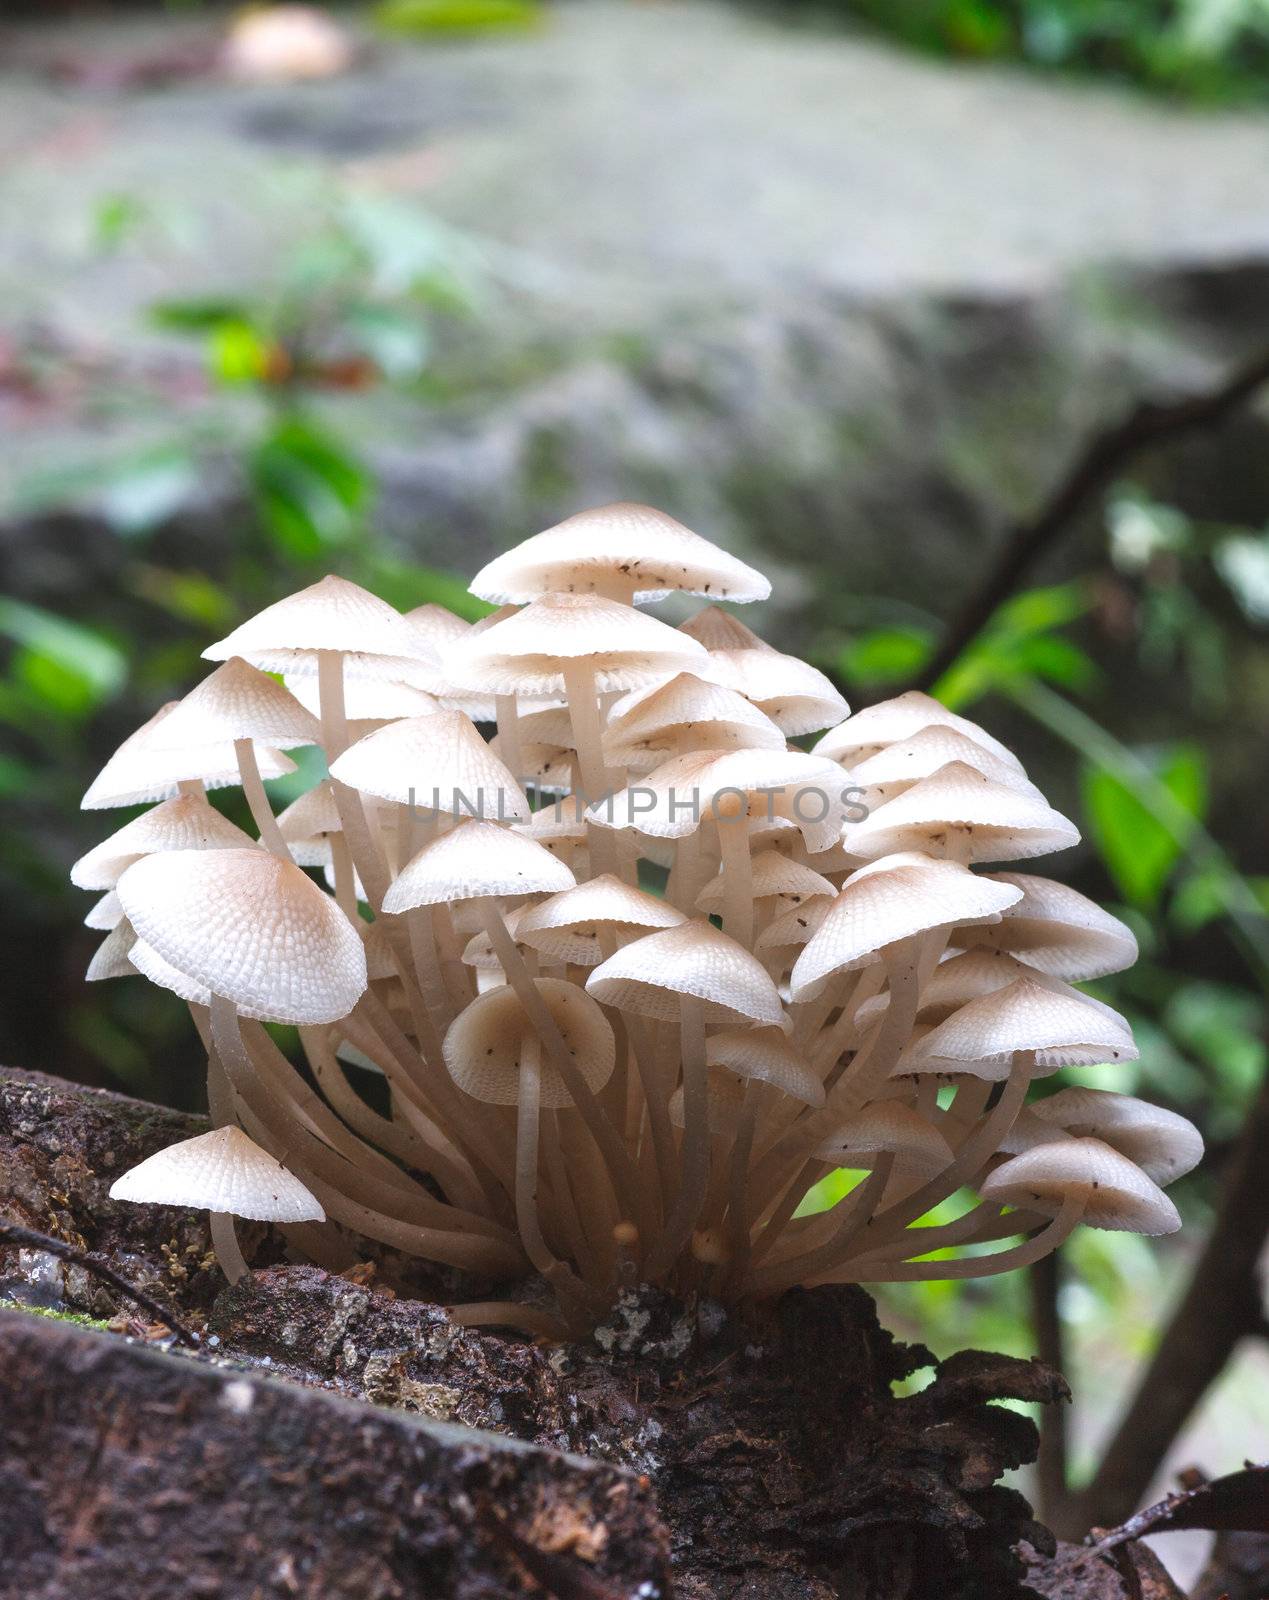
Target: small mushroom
229,1175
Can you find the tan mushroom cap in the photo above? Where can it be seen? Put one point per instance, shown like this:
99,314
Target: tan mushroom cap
887,1127
773,876
893,898
250,927
1027,1131
184,823
621,544
288,637
526,652
485,1043
1060,931
307,824
1062,1029
650,725
989,820
761,1055
1117,1195
142,771
908,760
796,696
679,796
891,721
565,927
438,762
475,860
649,975
1164,1145
238,701
222,1171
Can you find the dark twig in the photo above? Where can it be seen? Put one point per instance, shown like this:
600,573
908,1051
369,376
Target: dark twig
1220,1306
1102,459
30,1239
1044,1282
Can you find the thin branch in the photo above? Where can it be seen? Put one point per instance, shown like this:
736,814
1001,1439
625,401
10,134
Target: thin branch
1220,1306
1102,459
1044,1283
30,1239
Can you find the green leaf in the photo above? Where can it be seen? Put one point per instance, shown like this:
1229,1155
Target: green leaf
237,354
198,316
311,491
69,646
1138,850
457,16
1058,661
885,655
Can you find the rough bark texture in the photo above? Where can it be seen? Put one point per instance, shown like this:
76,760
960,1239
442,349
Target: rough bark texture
128,1472
784,1464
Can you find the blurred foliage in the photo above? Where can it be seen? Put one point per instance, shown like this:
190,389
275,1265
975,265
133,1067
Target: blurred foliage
1175,594
457,16
1201,50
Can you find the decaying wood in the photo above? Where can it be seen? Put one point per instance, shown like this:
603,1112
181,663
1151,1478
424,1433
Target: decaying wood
130,1472
784,1465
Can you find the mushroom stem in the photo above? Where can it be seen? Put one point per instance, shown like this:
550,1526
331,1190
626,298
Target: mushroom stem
695,1148
583,711
345,875
257,801
510,744
1022,1255
980,1224
622,1172
733,846
855,1210
508,1314
528,1125
225,1243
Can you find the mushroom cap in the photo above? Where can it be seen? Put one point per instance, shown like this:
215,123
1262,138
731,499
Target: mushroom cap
526,652
796,696
564,927
1059,930
798,925
375,640
140,771
250,927
367,699
631,543
677,797
887,1127
982,970
650,975
1062,1029
485,1042
772,875
221,1171
762,1055
184,823
113,956
479,950
1164,1145
908,760
717,629
893,898
684,713
105,913
238,701
1116,1193
438,762
890,721
995,822
308,822
474,860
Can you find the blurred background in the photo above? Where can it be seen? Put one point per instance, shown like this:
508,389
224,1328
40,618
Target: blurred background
848,287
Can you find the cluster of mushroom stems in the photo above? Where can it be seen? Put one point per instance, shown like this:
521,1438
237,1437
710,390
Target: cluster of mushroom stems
598,999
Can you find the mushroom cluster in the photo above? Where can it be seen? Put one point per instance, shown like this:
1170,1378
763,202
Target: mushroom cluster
623,1029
